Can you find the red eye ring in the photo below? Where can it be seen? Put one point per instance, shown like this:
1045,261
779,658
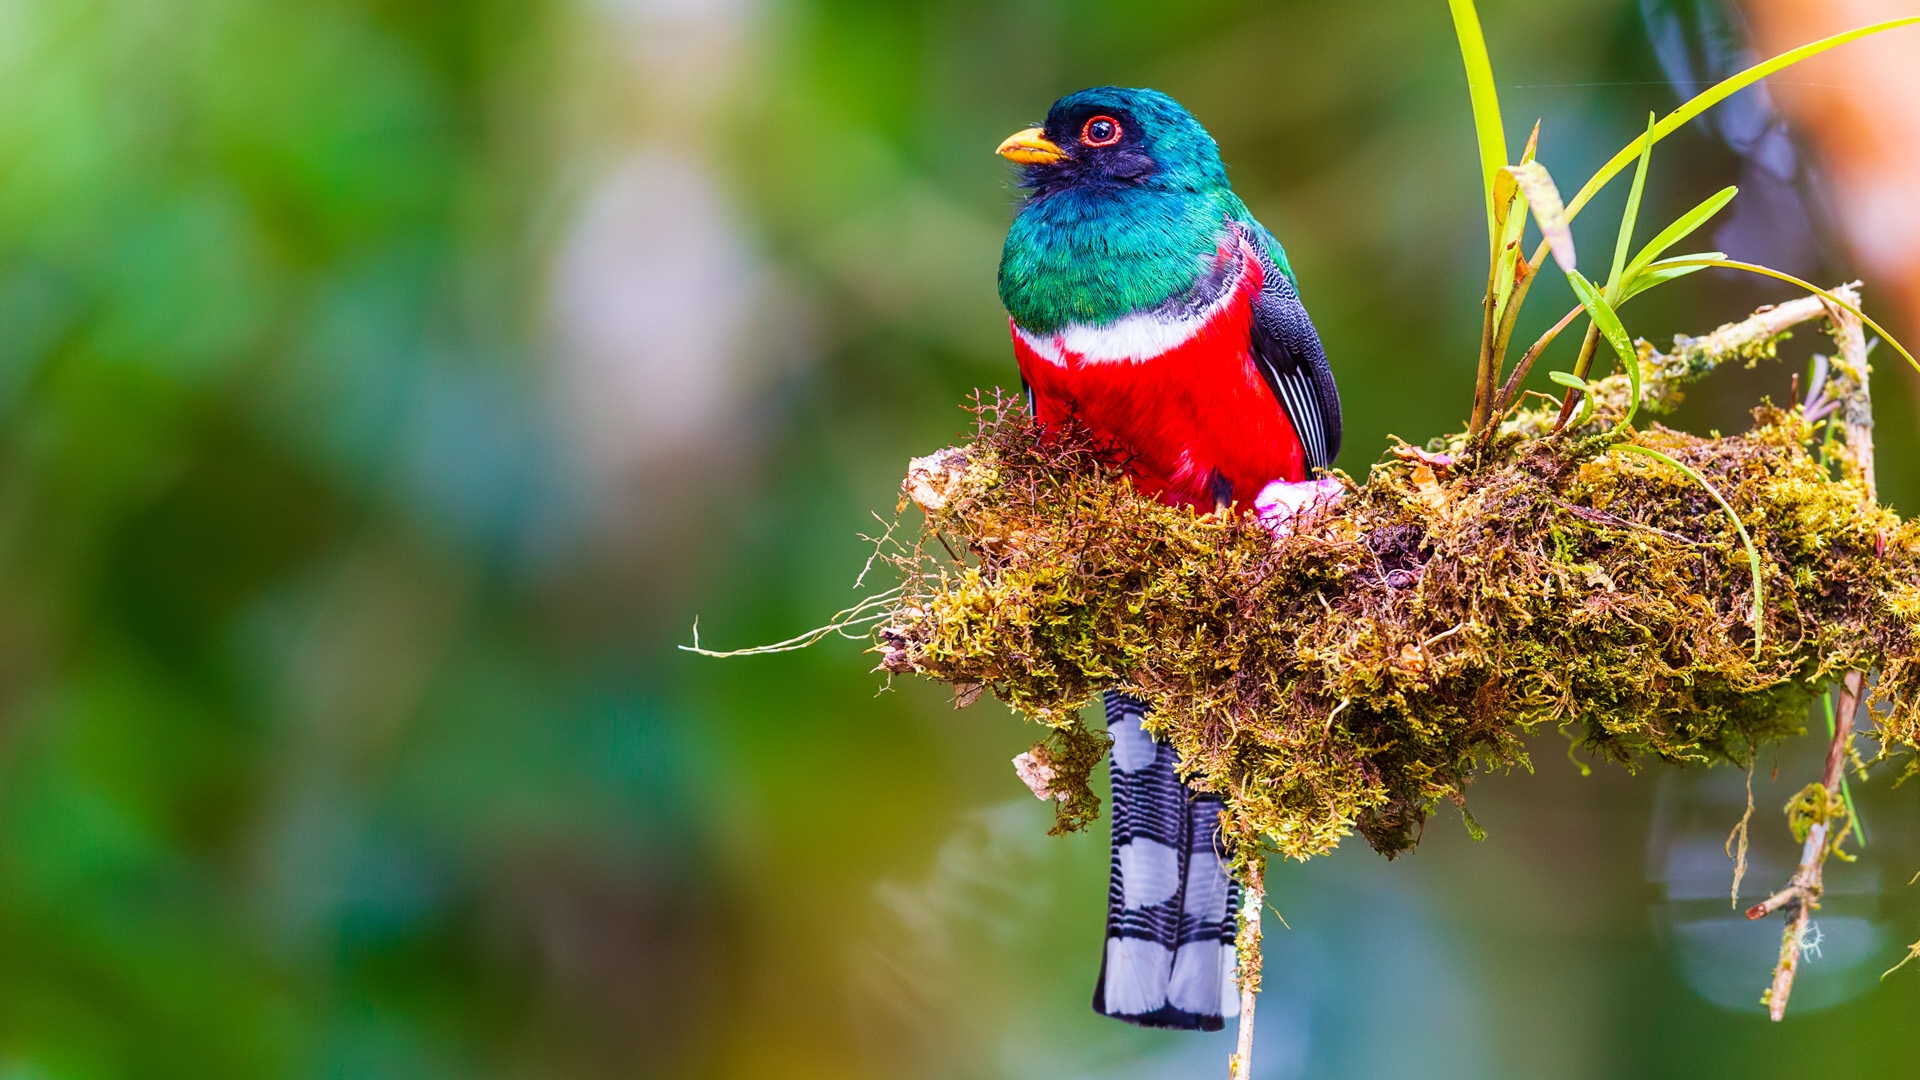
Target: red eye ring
1111,136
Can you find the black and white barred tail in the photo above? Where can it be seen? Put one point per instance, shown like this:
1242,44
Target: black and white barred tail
1170,902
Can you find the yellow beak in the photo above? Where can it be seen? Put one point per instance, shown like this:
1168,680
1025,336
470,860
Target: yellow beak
1030,147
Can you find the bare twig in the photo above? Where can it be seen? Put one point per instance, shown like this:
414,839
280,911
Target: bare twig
1247,950
1802,895
1847,381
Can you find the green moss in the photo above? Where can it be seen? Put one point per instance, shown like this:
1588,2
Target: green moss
1070,751
1351,675
1814,805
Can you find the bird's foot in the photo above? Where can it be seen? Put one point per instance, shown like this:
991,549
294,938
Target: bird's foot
1282,504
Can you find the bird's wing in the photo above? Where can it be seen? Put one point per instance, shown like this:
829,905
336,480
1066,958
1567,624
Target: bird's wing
1287,350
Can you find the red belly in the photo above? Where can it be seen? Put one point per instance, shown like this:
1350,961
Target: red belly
1197,411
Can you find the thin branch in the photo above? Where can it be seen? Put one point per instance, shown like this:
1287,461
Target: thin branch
1247,951
1802,895
1847,380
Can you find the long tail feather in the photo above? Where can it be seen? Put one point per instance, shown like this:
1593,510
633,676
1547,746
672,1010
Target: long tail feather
1169,950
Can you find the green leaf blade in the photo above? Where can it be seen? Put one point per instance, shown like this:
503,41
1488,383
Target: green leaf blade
1654,274
1631,216
1602,314
1611,328
1486,101
1719,92
1682,227
1778,275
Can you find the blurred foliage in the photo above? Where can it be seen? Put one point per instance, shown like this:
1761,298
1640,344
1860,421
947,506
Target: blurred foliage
341,732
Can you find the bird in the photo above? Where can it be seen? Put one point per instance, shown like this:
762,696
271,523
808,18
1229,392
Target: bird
1149,307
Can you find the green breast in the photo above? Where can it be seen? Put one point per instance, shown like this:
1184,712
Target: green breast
1093,257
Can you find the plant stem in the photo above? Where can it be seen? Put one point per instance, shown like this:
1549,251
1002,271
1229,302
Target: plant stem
1486,375
1503,334
1580,369
1511,389
1496,334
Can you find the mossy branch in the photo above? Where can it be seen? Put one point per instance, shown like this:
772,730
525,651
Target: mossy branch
1350,674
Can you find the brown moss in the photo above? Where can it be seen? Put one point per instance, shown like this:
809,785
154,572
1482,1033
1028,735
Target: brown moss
1354,673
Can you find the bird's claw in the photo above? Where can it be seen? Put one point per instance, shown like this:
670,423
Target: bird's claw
1283,504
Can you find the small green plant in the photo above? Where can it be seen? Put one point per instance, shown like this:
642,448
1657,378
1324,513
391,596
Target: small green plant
1512,191
1515,190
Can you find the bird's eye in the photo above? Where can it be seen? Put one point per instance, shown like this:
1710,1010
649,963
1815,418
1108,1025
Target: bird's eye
1101,131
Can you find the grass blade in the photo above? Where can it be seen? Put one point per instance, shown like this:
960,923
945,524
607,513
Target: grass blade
1486,102
1682,227
1543,197
1767,271
1631,216
1715,94
1603,317
1753,553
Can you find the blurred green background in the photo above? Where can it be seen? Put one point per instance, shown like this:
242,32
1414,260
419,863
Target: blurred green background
387,385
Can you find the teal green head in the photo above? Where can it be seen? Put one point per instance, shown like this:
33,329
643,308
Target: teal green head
1118,140
1127,201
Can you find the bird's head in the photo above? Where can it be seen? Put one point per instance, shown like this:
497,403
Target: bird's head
1111,136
